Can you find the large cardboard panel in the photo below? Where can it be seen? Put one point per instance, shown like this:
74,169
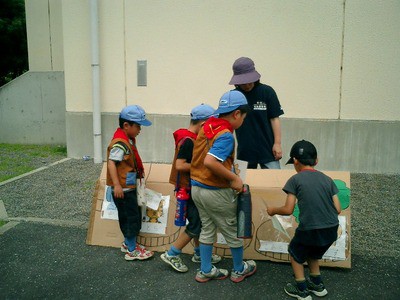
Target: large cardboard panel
266,189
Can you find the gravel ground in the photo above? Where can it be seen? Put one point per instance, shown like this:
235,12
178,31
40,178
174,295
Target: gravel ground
375,210
65,192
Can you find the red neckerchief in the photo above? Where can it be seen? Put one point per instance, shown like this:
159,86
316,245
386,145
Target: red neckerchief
214,125
183,133
120,134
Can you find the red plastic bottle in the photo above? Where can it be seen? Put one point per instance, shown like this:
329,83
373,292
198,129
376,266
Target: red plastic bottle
181,206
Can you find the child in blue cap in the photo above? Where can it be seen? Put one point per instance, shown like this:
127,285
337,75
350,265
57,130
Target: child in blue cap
215,186
124,166
180,177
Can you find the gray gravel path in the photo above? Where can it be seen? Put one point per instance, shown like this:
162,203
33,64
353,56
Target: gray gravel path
63,192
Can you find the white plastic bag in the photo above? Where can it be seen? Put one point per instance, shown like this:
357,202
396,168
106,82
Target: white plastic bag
140,187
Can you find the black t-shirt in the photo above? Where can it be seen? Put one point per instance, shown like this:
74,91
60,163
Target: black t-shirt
255,137
186,150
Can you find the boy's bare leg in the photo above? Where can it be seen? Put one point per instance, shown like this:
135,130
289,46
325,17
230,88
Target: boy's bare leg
298,269
313,265
298,290
315,284
182,240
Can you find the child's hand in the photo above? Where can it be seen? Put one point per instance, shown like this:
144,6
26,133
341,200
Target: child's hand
270,211
118,192
263,215
237,184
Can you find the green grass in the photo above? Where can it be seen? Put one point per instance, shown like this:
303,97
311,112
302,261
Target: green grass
2,222
18,159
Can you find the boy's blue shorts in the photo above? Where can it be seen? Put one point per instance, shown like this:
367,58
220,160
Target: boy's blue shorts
193,227
301,248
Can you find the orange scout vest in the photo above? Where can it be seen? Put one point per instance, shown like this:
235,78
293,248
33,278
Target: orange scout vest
127,165
201,173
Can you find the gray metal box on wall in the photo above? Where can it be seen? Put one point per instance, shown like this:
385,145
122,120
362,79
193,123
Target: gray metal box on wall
142,72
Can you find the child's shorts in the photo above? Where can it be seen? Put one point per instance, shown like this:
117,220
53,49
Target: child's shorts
311,244
193,227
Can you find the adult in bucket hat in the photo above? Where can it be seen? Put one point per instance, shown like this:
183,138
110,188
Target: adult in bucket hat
259,138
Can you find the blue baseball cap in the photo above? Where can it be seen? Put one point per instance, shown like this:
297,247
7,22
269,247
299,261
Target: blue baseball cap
202,112
230,101
134,113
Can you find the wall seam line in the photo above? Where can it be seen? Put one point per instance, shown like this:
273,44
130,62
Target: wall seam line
341,61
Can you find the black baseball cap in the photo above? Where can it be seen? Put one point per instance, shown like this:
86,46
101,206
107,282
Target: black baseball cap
304,151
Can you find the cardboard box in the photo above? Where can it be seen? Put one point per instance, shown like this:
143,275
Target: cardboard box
267,242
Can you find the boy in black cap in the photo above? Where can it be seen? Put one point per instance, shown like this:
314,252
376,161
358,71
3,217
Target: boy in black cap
319,207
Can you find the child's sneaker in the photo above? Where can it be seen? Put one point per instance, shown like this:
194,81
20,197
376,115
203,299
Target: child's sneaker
143,248
214,258
140,253
124,247
294,292
249,269
317,289
174,261
215,273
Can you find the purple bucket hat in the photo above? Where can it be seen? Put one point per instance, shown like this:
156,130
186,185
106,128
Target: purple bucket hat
244,71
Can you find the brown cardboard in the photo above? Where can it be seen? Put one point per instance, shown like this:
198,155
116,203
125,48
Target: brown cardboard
266,189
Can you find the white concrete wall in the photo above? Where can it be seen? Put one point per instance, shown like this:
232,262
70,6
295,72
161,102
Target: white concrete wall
371,61
190,47
44,35
32,109
334,64
300,48
77,59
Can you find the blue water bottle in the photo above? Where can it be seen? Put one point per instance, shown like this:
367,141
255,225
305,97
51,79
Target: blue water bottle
244,220
182,196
